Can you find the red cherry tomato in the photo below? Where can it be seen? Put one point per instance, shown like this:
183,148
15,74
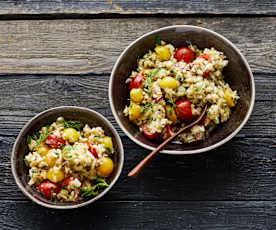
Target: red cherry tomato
184,54
206,57
167,133
67,181
47,187
92,149
54,141
148,134
137,81
184,110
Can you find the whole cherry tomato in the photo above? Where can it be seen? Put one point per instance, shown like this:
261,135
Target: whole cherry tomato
148,134
167,132
67,181
137,81
46,188
54,141
92,149
184,110
184,54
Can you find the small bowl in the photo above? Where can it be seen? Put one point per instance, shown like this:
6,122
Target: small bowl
20,149
238,75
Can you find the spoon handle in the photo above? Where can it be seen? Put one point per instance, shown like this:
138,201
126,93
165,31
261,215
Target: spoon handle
138,168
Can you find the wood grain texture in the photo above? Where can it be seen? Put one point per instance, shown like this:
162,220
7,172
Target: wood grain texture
92,46
143,215
128,7
21,97
243,169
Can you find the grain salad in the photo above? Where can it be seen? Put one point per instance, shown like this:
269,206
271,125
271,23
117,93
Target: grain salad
69,161
171,87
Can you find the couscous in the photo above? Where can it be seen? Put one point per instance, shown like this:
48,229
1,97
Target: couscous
68,161
171,86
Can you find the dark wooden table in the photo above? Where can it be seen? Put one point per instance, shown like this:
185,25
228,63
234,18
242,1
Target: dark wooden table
55,53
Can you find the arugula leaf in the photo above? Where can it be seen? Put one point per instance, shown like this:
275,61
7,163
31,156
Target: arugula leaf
158,41
73,124
95,189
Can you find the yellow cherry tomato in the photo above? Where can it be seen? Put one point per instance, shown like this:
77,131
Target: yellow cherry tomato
71,135
171,115
43,150
135,111
163,53
169,82
55,175
107,142
136,95
228,97
106,167
50,159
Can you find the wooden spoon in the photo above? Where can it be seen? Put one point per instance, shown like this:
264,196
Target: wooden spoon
135,171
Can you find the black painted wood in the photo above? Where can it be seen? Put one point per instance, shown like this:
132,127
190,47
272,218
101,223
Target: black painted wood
128,7
143,215
232,187
93,46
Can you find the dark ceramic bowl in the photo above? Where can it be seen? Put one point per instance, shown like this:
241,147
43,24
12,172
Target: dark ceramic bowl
238,75
20,149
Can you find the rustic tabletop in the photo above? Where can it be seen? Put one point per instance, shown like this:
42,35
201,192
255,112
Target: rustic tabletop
55,53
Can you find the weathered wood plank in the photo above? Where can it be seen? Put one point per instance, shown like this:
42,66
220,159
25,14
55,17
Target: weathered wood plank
22,96
142,215
85,46
243,169
128,7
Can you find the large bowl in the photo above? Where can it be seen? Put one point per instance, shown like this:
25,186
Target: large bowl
20,149
238,75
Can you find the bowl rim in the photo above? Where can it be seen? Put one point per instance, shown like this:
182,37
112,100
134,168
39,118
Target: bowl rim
183,152
77,205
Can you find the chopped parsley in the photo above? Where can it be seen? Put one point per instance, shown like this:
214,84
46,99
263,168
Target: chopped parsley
198,88
56,153
95,189
147,107
158,41
171,71
25,160
69,157
67,149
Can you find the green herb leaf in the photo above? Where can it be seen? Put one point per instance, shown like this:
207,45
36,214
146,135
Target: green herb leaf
67,149
52,195
29,140
39,137
25,160
73,124
198,88
108,149
173,105
68,157
147,107
158,41
95,189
